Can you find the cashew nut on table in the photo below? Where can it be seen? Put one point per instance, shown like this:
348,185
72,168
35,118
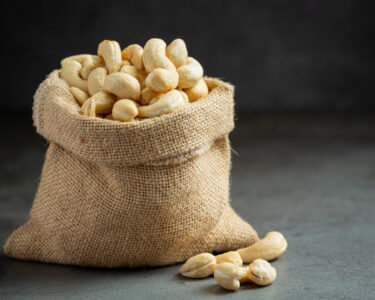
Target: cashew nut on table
228,269
136,83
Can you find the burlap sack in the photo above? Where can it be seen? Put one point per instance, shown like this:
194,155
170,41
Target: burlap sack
145,193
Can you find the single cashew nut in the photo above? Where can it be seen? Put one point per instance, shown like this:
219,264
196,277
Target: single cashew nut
154,56
104,102
134,53
162,80
79,57
89,64
125,110
167,103
147,95
111,53
199,266
70,73
88,108
197,91
232,257
190,74
177,52
122,85
137,73
270,247
96,79
261,272
228,276
79,95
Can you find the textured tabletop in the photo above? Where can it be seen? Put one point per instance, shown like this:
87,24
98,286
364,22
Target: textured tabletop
311,178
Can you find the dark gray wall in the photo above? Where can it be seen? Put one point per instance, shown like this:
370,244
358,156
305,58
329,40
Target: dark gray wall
281,55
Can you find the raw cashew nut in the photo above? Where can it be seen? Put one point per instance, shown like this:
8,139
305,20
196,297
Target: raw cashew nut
79,95
125,110
177,52
261,272
270,247
154,56
199,266
167,103
162,80
185,96
147,95
197,91
79,57
137,73
244,277
89,64
232,257
190,74
228,276
111,53
88,108
96,80
70,73
122,85
134,53
104,102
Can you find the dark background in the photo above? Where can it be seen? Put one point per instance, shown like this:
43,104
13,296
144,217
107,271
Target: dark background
295,55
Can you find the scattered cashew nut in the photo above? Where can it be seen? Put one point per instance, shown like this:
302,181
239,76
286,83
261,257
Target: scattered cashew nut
190,74
228,276
111,53
261,272
95,80
154,56
122,85
79,95
177,52
70,73
134,53
125,110
199,266
232,257
162,80
270,247
167,103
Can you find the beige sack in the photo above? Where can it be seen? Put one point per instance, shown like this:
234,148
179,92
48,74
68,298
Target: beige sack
144,193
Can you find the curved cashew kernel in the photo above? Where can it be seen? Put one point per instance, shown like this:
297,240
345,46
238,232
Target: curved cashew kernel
228,276
162,80
70,73
137,73
270,247
79,57
96,80
111,53
88,108
134,53
89,64
190,74
232,257
184,95
177,52
109,117
125,110
154,56
199,266
104,102
79,95
261,272
147,95
122,85
244,277
167,103
197,91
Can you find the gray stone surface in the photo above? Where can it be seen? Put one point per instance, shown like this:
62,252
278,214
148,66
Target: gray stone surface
312,178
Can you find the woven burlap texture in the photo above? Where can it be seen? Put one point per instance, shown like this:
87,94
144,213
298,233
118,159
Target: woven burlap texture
145,193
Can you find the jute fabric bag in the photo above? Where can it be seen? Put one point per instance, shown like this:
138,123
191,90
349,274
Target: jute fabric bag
145,193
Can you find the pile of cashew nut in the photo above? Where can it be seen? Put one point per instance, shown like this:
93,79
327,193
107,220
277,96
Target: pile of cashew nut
228,269
134,83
